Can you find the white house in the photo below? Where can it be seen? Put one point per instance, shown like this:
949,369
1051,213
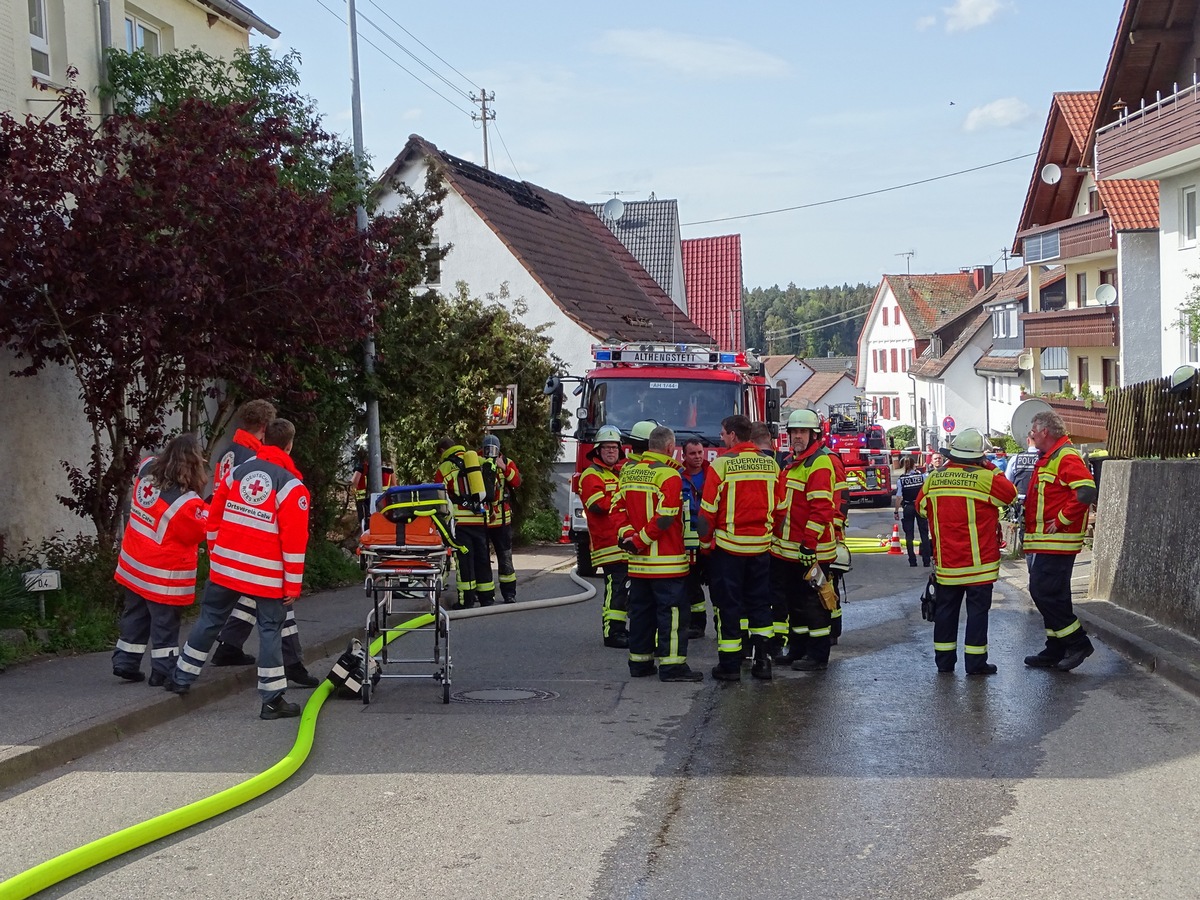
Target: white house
820,392
786,372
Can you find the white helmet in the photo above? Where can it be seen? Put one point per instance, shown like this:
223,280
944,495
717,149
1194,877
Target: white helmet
967,445
608,434
804,418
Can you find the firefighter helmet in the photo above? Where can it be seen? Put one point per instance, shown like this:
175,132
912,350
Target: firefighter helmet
1182,379
641,430
967,445
804,418
608,434
491,446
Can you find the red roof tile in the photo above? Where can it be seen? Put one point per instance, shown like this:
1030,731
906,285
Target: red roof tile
925,299
816,387
1002,365
1078,110
1132,205
712,272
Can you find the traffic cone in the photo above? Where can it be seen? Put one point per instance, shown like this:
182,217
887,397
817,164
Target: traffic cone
565,537
894,546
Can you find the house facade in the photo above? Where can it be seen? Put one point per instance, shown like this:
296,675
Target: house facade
820,392
786,372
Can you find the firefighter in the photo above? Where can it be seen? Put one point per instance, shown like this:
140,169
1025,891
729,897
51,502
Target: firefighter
962,504
252,418
500,478
359,485
598,491
695,470
803,537
652,535
1061,490
157,564
473,561
261,522
735,513
908,486
841,501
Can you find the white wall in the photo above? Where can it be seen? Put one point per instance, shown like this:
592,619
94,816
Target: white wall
895,335
1003,397
1177,261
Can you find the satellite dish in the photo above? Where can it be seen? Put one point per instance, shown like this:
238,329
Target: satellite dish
1106,294
614,209
1025,361
1051,174
1022,417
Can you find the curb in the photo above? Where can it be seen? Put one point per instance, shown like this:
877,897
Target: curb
1142,652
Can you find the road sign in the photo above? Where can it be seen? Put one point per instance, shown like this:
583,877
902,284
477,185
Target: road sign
42,580
948,424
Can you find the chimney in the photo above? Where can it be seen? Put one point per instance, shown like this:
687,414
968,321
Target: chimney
981,277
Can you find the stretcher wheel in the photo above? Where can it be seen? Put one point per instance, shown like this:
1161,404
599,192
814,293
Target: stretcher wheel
445,691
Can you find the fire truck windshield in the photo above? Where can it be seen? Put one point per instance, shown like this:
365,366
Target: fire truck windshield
688,406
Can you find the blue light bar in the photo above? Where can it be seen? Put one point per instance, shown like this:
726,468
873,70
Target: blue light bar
603,356
728,358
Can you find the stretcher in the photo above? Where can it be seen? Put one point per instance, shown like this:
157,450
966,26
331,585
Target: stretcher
406,551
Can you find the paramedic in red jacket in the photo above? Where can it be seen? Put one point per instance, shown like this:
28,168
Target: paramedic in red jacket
157,565
260,516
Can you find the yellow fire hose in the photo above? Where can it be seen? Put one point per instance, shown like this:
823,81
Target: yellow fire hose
61,867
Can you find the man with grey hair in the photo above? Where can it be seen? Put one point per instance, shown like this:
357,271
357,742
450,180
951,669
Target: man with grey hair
1061,490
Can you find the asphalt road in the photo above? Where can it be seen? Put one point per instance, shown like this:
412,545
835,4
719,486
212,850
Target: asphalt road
877,778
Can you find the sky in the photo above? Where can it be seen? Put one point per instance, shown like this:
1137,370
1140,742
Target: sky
732,109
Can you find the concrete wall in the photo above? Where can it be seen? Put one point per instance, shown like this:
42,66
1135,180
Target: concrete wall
1144,553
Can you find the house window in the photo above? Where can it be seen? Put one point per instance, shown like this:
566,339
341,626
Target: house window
895,366
39,38
993,387
1093,200
1083,372
1111,368
885,314
910,358
1108,276
1187,217
141,35
1191,349
1081,289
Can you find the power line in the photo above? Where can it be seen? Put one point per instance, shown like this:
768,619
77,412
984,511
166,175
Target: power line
418,60
505,146
419,41
783,332
771,212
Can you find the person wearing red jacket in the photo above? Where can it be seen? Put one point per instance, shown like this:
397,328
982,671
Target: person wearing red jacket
157,565
962,503
651,494
598,492
260,516
736,515
1061,490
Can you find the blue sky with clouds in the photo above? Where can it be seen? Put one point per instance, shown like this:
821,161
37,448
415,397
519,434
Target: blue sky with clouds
732,109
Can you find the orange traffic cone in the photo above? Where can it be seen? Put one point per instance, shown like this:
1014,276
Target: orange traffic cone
565,537
894,546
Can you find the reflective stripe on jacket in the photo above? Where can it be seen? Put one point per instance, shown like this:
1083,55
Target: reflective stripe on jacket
450,473
963,503
598,491
650,495
804,506
498,511
1051,498
739,500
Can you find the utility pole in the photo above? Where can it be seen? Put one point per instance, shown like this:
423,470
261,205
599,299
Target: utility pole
374,455
484,116
1005,256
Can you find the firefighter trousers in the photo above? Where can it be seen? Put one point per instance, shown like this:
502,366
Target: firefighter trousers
474,566
242,620
146,622
810,624
614,615
947,601
741,589
500,537
1050,588
657,606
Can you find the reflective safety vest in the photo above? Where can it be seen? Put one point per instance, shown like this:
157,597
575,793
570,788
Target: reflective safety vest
804,506
159,547
501,476
260,516
739,500
650,493
1021,471
1051,498
963,503
452,474
598,492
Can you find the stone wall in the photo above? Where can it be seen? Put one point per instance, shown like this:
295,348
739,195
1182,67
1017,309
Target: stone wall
1146,553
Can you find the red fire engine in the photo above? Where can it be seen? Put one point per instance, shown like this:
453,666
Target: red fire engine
686,387
851,431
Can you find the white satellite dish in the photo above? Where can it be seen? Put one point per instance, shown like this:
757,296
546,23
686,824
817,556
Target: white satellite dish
1051,174
1022,417
1106,294
1025,361
614,209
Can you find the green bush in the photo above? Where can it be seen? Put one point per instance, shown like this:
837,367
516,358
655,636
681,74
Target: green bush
329,566
540,525
902,436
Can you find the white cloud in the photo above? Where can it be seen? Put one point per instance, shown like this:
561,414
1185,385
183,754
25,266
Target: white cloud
926,22
691,55
967,14
1003,113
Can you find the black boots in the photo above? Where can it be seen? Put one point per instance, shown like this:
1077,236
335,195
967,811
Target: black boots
228,655
299,676
279,708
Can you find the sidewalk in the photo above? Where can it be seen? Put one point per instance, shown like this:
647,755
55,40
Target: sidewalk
1164,651
61,708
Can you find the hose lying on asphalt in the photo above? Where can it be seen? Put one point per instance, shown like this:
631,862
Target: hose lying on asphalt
51,872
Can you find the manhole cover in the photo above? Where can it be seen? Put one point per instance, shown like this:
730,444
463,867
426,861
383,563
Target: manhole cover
502,695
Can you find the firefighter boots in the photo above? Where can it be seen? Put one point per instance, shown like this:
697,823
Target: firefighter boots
279,708
229,655
1076,656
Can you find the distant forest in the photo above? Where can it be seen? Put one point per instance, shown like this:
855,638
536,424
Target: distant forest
806,321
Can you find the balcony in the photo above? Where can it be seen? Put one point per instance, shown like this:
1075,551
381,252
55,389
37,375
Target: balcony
1085,419
1154,141
1085,326
1069,239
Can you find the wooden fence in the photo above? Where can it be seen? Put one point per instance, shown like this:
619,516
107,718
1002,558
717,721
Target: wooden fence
1147,422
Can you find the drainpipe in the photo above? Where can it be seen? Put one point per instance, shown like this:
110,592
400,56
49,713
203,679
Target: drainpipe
105,8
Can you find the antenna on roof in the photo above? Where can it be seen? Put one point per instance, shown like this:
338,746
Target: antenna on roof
908,255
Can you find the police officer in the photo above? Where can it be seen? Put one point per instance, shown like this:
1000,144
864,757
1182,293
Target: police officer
598,492
1061,490
1019,470
500,477
962,503
908,486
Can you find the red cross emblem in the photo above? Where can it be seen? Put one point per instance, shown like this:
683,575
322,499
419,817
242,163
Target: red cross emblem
147,491
256,488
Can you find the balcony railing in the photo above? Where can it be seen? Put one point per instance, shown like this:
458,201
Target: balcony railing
1155,139
1085,419
1069,239
1085,326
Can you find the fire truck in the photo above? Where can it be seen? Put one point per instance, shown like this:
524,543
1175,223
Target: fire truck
851,431
686,387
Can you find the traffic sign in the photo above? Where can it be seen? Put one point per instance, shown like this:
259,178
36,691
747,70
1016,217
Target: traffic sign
948,424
